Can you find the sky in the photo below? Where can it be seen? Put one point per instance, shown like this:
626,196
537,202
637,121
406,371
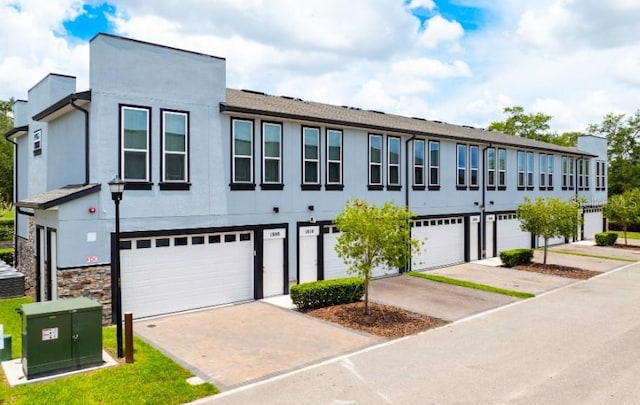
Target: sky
458,61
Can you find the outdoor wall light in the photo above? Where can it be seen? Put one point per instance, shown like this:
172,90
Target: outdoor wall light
276,209
310,207
491,202
476,203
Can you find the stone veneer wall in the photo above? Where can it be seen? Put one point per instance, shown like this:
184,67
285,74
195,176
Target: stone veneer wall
91,282
25,256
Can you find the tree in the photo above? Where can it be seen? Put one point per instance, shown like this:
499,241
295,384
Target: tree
624,149
533,126
373,237
6,152
624,209
548,218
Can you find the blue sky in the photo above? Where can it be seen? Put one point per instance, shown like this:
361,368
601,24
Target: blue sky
459,61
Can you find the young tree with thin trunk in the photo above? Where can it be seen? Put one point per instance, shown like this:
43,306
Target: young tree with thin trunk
372,237
624,209
549,218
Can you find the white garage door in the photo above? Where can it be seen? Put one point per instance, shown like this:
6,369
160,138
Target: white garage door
551,242
334,267
176,273
592,222
443,242
510,236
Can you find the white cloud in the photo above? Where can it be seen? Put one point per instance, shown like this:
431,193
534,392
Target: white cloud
440,31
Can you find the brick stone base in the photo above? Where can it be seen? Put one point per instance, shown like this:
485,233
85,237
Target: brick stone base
25,257
91,282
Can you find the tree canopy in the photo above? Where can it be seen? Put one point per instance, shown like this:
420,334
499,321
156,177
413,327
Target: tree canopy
548,218
624,149
6,152
624,209
372,237
532,126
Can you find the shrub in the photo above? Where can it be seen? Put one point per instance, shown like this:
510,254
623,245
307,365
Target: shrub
515,257
6,228
6,255
606,238
325,293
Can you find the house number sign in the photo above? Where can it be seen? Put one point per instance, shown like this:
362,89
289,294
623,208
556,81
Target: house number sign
92,259
309,231
274,233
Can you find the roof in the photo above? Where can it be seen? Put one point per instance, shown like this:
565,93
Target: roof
17,131
63,106
251,102
58,196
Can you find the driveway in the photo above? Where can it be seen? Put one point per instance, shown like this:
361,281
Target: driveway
237,344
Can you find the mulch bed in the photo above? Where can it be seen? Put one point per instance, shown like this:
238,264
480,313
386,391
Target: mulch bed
386,321
557,270
622,246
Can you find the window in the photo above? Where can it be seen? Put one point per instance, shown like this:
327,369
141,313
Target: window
550,172
334,159
175,146
521,178
491,169
134,132
600,175
474,165
461,178
502,169
375,162
543,171
271,156
311,157
586,163
572,173
579,162
434,165
565,172
529,170
37,142
242,151
418,163
393,163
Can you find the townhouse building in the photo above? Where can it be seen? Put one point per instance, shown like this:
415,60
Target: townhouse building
230,194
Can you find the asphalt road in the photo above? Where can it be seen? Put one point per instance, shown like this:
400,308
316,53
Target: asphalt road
579,344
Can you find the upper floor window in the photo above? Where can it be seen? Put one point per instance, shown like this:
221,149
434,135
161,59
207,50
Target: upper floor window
242,152
572,173
579,163
600,175
550,172
311,156
375,161
565,172
586,163
502,168
37,142
271,155
543,171
393,162
434,164
135,138
491,168
461,178
175,146
473,166
529,170
521,171
418,163
334,159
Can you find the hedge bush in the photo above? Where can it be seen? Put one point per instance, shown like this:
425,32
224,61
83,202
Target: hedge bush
325,293
6,228
6,255
606,238
515,257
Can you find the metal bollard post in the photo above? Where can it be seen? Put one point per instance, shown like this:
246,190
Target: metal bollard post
128,337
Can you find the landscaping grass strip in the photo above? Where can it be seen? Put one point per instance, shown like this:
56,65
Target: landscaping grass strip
630,235
152,379
571,253
469,284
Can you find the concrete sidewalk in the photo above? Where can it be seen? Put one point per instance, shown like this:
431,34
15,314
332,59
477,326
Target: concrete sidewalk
574,345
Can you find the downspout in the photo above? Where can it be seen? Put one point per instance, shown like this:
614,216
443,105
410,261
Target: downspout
86,140
407,267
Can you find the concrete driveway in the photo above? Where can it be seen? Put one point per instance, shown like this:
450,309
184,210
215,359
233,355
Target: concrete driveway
237,344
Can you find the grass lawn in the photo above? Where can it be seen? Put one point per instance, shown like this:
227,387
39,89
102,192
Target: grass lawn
469,284
152,379
630,235
568,252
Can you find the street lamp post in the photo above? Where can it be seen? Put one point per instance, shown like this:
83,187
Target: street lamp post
116,186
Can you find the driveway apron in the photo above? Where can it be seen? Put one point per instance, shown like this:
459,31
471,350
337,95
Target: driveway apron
237,344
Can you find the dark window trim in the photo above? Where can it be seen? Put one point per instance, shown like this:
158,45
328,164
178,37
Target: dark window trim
394,188
334,187
491,188
138,185
521,186
533,170
187,147
498,170
493,175
433,188
310,187
149,179
242,185
305,184
271,186
477,169
461,187
542,172
437,182
502,188
374,186
424,161
175,186
419,188
458,167
340,185
391,186
37,151
263,157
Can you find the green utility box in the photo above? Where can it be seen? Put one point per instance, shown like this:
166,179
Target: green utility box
5,352
59,335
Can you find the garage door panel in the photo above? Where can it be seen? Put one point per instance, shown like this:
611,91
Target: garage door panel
334,267
592,223
166,279
510,236
443,242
